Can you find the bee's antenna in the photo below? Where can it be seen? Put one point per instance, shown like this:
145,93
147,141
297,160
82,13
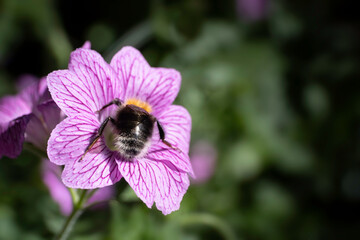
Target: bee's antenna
116,101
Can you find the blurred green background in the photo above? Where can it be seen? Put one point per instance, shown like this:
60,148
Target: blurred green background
272,85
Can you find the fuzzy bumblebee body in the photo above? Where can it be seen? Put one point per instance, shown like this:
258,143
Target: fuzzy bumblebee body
133,128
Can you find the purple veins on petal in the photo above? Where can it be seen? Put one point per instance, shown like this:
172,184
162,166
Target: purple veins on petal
159,175
68,143
61,195
177,122
155,182
70,138
89,84
156,86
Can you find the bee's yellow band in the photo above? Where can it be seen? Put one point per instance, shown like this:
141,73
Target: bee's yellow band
139,103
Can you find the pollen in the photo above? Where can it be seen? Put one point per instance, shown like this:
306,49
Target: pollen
139,103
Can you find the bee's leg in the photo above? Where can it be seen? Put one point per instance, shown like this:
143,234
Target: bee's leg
162,136
116,101
97,137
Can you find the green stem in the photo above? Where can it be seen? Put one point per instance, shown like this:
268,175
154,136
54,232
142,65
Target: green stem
71,220
210,220
74,195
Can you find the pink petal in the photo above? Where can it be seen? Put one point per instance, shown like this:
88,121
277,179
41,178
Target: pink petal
171,185
98,169
176,122
162,153
40,125
87,45
69,93
203,159
70,138
98,77
12,107
51,115
157,86
36,133
58,191
67,145
25,81
12,136
140,177
103,194
87,86
155,181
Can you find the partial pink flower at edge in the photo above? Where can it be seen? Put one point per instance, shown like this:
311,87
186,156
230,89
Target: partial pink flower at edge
203,159
161,176
28,116
252,10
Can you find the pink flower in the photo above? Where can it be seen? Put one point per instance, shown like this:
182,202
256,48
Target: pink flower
203,159
30,116
252,10
160,173
58,191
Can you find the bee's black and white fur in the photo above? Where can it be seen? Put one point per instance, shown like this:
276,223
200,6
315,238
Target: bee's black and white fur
133,128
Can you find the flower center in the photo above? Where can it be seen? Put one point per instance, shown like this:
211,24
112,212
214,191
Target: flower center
139,103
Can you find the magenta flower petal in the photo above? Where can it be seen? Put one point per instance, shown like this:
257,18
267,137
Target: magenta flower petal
70,138
156,86
69,93
35,133
203,159
61,195
252,10
160,173
12,107
15,114
51,114
155,181
12,136
101,80
140,177
98,169
163,167
87,86
172,184
41,125
25,81
176,122
24,114
103,194
87,45
67,144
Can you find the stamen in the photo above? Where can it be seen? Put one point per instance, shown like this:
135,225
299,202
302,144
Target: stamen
139,103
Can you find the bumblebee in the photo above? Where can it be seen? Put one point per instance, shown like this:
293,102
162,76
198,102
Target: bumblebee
132,128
